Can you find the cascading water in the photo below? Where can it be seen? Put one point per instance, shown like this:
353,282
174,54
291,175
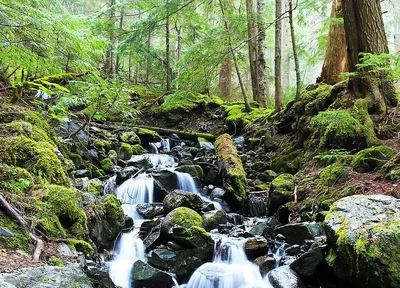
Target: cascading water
153,148
230,269
129,246
186,183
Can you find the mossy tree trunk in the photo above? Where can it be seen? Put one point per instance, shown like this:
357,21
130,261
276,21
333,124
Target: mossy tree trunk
278,55
365,32
336,59
294,47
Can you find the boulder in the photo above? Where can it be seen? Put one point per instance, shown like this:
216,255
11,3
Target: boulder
194,170
212,219
98,275
257,206
234,218
180,198
364,232
280,193
143,275
149,210
153,238
284,277
162,258
266,264
256,247
125,174
164,182
369,159
185,226
69,275
300,232
307,264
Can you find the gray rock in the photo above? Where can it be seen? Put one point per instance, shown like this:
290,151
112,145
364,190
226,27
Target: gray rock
180,198
125,174
284,277
308,263
153,238
225,228
218,193
257,206
98,275
143,275
81,183
293,250
256,247
299,232
239,233
234,218
64,249
266,264
364,232
149,210
162,258
212,219
46,277
82,173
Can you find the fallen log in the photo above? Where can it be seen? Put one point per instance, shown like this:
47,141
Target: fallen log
21,221
183,133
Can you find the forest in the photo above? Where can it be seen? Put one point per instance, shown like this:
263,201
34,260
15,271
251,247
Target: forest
199,143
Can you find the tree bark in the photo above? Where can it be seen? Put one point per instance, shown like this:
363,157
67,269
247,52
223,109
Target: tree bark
225,77
262,77
295,55
252,46
148,57
365,32
336,59
246,100
167,52
278,57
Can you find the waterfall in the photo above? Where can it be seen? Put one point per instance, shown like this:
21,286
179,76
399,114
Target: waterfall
163,145
186,183
230,269
129,246
153,148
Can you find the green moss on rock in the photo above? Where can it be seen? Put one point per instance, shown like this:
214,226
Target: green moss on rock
194,170
369,159
137,149
333,174
81,246
130,138
20,239
235,175
77,159
283,182
15,180
95,172
106,164
125,151
54,261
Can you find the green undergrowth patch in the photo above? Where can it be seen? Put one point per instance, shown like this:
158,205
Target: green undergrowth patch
236,114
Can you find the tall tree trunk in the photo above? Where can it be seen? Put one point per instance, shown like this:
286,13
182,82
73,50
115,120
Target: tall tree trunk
246,100
113,41
365,32
295,55
178,50
278,57
397,38
148,57
285,47
262,77
167,52
118,57
252,45
336,59
225,77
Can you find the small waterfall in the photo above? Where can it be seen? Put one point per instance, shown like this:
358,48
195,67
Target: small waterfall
230,269
166,147
153,148
186,183
129,246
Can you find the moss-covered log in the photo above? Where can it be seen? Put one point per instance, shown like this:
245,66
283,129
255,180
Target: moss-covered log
230,166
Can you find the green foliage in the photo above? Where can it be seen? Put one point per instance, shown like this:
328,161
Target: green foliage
333,155
369,159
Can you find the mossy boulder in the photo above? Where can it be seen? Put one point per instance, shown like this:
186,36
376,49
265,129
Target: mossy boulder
185,226
335,129
106,164
364,233
313,101
95,186
280,192
13,236
137,149
333,174
146,136
180,198
234,176
101,145
15,180
39,158
59,212
130,138
125,151
105,220
76,159
95,172
194,170
212,219
391,169
369,159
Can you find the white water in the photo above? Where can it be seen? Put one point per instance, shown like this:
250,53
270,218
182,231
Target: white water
129,246
153,148
163,144
230,269
186,183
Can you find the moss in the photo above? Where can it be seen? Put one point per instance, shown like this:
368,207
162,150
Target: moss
254,141
333,174
193,170
112,154
95,186
81,246
15,180
186,217
361,107
182,102
106,164
130,138
137,149
148,135
20,240
39,158
284,182
37,120
102,145
369,159
125,151
326,204
95,172
290,162
112,209
391,169
336,129
311,102
77,159
227,154
54,261
237,115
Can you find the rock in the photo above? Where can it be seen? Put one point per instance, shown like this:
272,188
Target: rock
280,193
225,228
143,275
212,219
364,232
211,176
239,233
186,268
162,258
234,218
138,162
175,246
149,210
130,138
98,275
194,170
268,175
180,198
223,204
307,264
257,206
153,238
64,249
256,247
93,155
284,277
81,183
82,173
218,193
266,264
125,174
369,159
299,232
45,277
185,226
165,182
293,250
